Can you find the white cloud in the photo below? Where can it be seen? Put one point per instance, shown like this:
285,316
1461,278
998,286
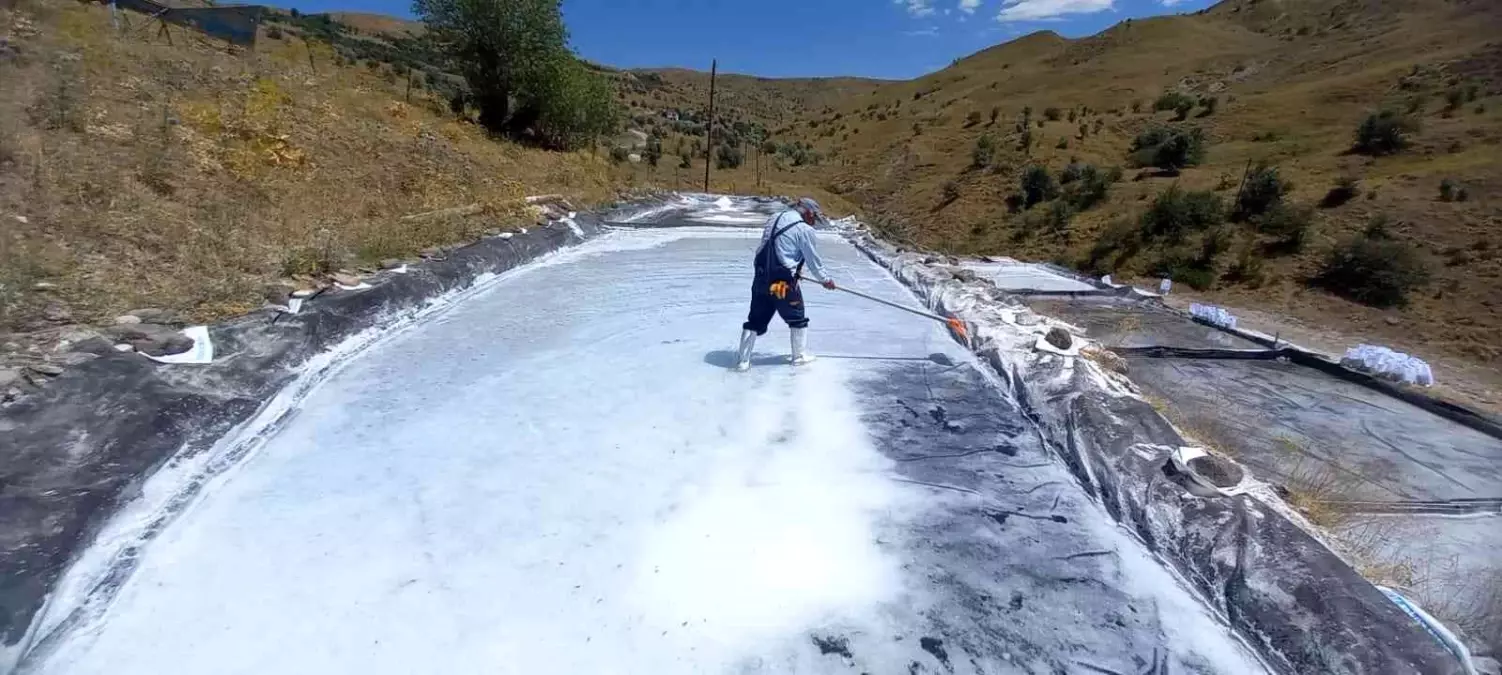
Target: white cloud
930,31
1042,10
1170,3
969,6
917,7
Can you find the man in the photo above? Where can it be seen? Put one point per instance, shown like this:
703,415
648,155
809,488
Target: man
787,244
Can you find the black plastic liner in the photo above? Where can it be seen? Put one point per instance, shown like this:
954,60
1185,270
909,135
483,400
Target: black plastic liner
82,446
1299,604
1450,411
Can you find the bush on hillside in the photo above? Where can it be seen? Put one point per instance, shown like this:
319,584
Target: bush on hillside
1451,191
1261,191
1170,100
1345,189
1210,105
1290,225
1373,271
973,118
728,157
1052,113
1181,113
950,191
619,155
654,150
1037,186
984,152
995,112
1063,144
1090,187
1116,243
1247,270
1384,133
1168,148
1174,213
572,108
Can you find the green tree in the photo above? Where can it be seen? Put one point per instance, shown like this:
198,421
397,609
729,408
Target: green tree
521,75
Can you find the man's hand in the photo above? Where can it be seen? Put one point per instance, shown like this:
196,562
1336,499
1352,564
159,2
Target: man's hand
829,284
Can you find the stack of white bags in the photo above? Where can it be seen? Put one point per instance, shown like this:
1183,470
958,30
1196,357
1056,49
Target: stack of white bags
1213,315
1384,362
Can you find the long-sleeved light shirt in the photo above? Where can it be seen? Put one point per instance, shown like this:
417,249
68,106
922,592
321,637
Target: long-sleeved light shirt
795,245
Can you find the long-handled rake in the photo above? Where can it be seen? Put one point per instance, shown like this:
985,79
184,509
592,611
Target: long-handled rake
954,324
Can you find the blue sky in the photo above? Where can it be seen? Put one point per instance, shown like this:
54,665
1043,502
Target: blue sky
896,39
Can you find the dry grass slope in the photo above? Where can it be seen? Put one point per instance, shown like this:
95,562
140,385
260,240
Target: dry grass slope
134,172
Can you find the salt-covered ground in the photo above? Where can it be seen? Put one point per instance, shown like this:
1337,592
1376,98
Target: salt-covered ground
1014,275
561,475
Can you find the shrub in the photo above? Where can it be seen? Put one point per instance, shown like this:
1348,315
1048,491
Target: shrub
1383,133
984,152
1184,268
1210,104
1072,115
1136,106
274,33
1454,98
1171,100
1116,243
1052,114
1217,240
1072,171
1247,270
1168,148
951,191
685,161
1376,272
619,155
917,129
654,150
1262,190
1346,189
1290,224
1084,130
728,157
995,112
1063,144
1056,217
1183,110
1037,186
973,118
1091,188
1175,213
1450,191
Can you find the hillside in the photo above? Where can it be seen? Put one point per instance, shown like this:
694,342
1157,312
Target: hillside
182,175
1291,81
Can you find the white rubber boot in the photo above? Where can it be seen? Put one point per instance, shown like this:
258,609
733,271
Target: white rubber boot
800,342
743,357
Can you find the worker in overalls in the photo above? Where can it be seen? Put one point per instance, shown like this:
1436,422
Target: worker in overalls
787,245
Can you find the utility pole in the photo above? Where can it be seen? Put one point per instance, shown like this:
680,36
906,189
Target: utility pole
714,67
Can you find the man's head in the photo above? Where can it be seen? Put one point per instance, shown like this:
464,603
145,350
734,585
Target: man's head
809,209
